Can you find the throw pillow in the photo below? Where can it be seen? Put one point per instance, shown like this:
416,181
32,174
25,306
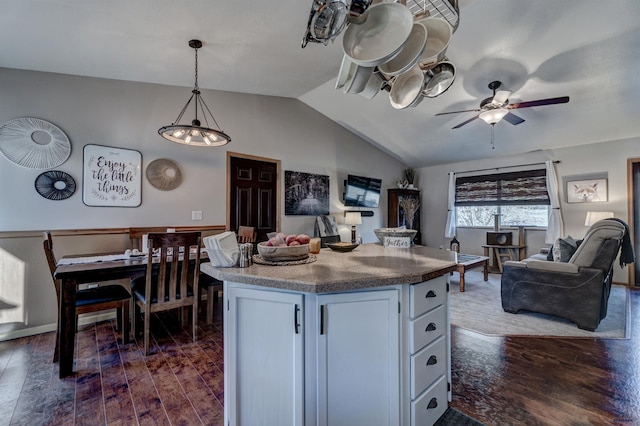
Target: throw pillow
563,249
550,254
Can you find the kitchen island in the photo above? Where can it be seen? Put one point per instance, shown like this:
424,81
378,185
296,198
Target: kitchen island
351,338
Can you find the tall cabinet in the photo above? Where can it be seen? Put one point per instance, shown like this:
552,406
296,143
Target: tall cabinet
396,215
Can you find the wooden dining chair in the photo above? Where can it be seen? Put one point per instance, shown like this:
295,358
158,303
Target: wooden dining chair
211,287
113,296
246,234
178,272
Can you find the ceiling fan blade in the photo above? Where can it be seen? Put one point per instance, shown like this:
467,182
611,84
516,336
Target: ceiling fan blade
539,102
501,97
466,122
513,119
456,112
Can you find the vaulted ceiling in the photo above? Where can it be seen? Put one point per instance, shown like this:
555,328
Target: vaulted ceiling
588,50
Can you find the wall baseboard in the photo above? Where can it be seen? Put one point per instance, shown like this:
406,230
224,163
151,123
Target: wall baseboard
46,328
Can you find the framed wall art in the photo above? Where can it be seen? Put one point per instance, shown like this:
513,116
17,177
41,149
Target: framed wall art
112,177
587,190
306,194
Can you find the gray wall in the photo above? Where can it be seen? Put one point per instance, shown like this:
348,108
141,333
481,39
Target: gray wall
128,115
609,158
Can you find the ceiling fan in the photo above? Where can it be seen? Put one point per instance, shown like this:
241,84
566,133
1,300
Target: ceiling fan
495,108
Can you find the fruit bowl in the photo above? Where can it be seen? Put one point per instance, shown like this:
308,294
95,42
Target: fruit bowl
283,253
394,232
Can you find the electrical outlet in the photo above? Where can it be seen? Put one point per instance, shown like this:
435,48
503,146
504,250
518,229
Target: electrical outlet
196,215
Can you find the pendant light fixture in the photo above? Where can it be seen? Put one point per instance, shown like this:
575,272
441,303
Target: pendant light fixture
195,134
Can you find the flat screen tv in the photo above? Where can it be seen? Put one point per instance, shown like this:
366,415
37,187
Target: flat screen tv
362,191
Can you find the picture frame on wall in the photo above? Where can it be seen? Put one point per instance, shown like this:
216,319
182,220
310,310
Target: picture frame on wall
112,177
306,194
587,190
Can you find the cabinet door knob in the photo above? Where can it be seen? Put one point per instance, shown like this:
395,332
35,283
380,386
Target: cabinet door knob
429,294
296,316
430,327
432,404
432,360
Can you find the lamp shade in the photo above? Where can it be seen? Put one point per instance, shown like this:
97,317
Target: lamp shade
593,217
493,116
352,218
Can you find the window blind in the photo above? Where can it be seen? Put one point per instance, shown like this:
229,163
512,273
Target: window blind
516,188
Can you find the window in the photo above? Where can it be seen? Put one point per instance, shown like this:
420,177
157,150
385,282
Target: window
520,198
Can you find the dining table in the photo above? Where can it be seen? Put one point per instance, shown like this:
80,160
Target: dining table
74,270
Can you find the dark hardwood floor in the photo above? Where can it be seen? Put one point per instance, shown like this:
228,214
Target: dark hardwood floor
498,381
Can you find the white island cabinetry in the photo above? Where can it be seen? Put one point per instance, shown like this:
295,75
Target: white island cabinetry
315,345
264,354
358,359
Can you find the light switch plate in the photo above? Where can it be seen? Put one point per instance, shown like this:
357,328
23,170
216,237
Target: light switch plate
196,215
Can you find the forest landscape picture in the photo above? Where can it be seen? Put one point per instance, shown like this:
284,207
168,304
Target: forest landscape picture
306,194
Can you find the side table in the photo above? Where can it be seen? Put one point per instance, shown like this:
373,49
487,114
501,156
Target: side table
468,261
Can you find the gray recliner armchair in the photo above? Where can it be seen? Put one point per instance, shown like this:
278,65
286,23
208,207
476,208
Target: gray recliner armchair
577,290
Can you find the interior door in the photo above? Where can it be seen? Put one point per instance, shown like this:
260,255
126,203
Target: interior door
633,189
253,194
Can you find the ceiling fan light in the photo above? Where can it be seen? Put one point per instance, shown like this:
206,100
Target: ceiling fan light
493,116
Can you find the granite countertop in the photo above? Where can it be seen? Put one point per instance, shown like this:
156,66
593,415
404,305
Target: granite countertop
369,265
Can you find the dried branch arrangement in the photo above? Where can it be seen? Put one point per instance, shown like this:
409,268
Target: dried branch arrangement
410,206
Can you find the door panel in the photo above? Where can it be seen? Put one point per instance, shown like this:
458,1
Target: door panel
633,170
253,195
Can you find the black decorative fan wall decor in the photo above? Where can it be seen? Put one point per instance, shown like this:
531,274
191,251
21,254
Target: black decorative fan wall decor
55,185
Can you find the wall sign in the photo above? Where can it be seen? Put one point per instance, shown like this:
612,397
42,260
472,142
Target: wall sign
112,177
399,242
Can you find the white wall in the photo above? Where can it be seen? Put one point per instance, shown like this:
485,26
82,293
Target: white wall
128,115
606,157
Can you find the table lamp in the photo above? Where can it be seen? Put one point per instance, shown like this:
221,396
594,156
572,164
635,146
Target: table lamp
353,219
593,217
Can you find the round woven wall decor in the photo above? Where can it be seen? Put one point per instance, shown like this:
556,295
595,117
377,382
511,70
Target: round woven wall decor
34,143
55,185
164,174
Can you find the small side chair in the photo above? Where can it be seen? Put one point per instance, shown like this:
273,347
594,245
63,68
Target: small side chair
174,284
89,300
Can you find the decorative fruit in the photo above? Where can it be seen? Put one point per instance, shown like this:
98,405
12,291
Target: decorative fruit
281,240
290,238
303,238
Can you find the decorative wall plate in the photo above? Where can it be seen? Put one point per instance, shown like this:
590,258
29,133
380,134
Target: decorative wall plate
55,185
34,143
164,174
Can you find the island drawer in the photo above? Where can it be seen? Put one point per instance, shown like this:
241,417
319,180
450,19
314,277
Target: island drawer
427,328
427,365
427,295
431,404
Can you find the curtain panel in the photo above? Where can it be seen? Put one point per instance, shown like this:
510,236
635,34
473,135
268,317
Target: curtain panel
517,188
555,228
450,227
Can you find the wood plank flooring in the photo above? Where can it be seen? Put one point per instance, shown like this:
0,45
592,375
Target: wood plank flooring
498,381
